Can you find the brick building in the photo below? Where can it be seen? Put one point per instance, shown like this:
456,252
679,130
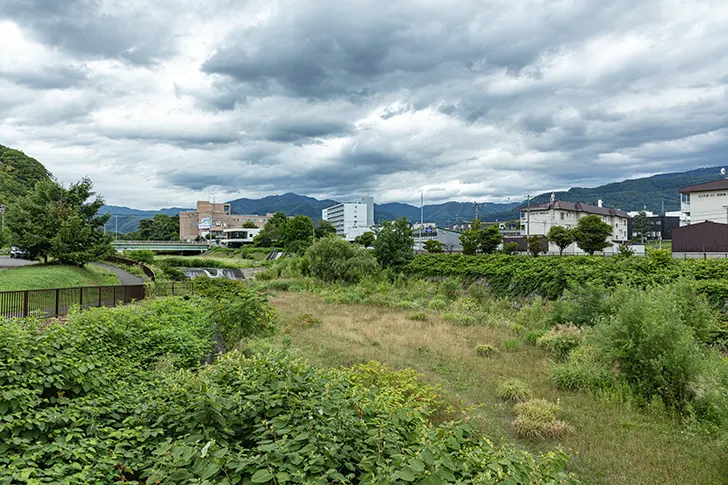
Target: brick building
215,218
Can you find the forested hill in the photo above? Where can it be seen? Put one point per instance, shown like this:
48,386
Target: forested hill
634,194
18,174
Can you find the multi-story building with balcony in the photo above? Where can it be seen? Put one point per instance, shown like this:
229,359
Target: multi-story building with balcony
212,219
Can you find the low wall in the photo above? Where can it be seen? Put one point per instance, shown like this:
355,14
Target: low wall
705,255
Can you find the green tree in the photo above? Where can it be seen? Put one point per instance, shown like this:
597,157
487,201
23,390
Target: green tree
537,244
65,224
249,225
510,248
160,228
591,234
272,233
333,259
641,224
490,238
561,237
365,240
393,245
470,238
297,234
324,228
434,246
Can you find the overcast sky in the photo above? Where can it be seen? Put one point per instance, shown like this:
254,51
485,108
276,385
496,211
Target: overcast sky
161,102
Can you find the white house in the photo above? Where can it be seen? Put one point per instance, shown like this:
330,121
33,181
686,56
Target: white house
351,218
539,219
704,202
236,237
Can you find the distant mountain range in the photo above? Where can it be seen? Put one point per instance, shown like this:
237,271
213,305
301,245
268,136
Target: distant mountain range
635,194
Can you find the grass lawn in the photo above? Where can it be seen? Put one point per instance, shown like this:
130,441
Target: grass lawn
611,443
208,261
40,276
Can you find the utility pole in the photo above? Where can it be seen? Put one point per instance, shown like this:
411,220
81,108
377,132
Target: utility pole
422,215
475,204
528,217
116,229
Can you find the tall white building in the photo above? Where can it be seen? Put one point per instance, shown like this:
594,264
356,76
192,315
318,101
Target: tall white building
704,202
351,218
567,214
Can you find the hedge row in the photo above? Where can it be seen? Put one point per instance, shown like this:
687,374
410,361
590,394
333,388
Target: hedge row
550,276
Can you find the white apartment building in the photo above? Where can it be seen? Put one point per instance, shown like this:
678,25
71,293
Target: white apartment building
704,202
351,218
567,214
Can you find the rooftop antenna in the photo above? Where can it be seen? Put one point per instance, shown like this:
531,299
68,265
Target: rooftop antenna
475,204
553,196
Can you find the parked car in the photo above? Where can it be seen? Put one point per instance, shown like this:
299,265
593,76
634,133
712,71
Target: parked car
17,253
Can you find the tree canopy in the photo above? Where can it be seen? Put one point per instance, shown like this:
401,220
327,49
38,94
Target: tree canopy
561,237
478,239
393,244
324,228
591,234
641,224
160,228
366,240
61,223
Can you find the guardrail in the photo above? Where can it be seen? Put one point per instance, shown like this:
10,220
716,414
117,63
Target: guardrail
122,242
54,302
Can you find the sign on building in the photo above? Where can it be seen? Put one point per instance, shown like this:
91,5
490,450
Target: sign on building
205,223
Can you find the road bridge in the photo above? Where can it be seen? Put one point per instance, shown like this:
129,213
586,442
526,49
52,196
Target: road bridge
161,246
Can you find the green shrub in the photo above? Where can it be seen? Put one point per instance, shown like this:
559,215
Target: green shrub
561,340
511,345
653,344
581,306
334,260
532,336
485,350
537,419
581,372
437,303
419,316
513,390
141,255
534,315
451,288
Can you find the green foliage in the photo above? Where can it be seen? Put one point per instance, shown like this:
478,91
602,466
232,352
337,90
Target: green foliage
141,255
582,305
625,250
52,221
511,344
561,236
537,419
591,234
272,233
333,259
18,174
160,228
249,225
479,239
117,395
433,246
561,340
537,245
393,245
485,350
324,228
550,277
297,234
583,371
513,390
510,248
365,240
419,316
641,225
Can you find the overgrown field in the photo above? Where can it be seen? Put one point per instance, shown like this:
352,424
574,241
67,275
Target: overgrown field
550,276
36,277
134,394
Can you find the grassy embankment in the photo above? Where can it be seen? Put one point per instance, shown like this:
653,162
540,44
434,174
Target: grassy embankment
611,442
37,277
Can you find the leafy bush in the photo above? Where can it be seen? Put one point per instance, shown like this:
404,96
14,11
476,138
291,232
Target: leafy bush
652,340
582,371
513,390
485,350
561,340
581,305
141,255
117,395
511,344
537,419
419,316
510,248
334,260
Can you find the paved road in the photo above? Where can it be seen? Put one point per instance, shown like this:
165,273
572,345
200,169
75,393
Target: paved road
8,262
126,278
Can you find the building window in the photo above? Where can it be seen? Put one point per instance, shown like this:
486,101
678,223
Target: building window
562,215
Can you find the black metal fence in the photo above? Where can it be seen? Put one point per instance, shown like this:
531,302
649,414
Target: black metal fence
57,301
172,288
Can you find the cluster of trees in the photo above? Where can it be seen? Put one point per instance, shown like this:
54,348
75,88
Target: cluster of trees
160,228
590,234
479,239
295,234
60,223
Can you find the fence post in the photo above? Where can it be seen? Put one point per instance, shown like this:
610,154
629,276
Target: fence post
58,298
100,287
173,288
114,295
25,303
80,297
126,288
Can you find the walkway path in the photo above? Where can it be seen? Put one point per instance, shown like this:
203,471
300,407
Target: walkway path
8,262
125,277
